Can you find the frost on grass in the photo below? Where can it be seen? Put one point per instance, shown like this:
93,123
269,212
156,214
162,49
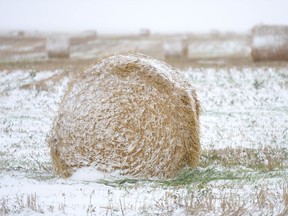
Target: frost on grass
25,118
242,107
129,114
69,197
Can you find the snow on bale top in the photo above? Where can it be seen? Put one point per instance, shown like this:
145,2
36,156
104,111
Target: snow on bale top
129,114
270,43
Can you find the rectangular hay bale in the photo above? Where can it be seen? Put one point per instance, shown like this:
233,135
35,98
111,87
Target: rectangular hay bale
218,48
58,46
175,47
269,43
144,32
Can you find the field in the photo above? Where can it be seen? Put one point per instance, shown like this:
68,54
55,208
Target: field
243,168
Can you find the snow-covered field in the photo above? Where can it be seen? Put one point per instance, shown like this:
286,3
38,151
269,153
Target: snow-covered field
243,168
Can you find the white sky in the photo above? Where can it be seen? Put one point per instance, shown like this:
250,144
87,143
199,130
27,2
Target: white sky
120,16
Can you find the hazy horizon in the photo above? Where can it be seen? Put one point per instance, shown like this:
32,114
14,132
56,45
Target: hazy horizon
128,16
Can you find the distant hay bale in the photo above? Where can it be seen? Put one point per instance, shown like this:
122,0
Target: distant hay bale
19,33
175,47
270,43
90,34
129,114
58,46
144,32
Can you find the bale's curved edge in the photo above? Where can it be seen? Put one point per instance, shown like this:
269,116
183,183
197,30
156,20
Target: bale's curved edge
131,114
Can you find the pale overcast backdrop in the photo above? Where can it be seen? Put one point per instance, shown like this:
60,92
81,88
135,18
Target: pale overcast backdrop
128,16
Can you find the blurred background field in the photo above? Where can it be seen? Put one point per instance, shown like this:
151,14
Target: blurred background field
18,46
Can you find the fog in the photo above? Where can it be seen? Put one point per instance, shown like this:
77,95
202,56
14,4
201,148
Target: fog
128,16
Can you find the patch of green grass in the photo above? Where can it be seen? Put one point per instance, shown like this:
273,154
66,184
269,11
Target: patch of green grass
4,160
201,177
240,164
40,176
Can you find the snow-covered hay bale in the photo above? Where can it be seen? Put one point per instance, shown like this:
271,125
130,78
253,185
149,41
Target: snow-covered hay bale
175,47
270,43
58,46
130,114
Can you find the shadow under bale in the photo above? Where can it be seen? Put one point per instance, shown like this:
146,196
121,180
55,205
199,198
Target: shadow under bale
128,114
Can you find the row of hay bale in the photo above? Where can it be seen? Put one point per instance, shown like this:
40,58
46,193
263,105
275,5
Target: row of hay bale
267,43
200,48
58,46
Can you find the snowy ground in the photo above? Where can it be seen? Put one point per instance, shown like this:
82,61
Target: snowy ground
243,168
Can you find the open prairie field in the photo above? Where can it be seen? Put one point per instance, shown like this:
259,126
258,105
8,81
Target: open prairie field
243,168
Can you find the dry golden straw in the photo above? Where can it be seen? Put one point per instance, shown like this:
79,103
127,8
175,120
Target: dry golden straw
270,43
129,114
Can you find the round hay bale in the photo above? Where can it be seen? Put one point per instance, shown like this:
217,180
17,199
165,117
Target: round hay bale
128,114
269,43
